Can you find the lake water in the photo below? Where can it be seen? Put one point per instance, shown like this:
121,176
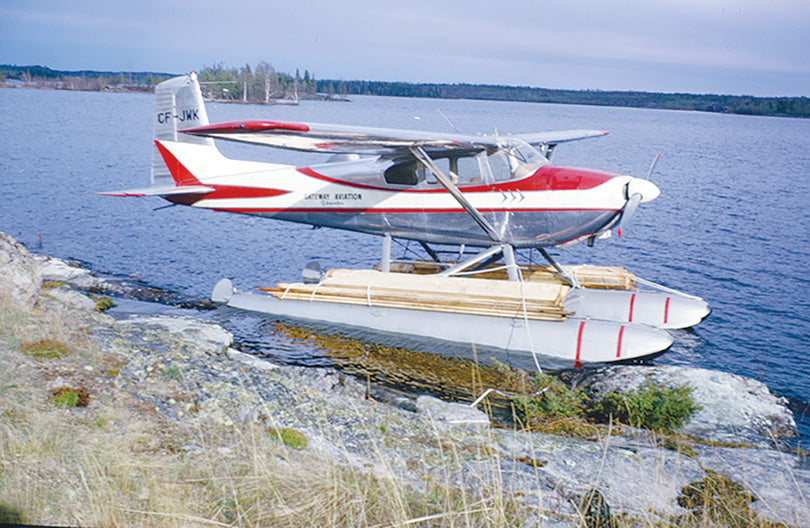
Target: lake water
732,223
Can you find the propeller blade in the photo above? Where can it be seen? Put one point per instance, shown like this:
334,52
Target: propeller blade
629,210
652,166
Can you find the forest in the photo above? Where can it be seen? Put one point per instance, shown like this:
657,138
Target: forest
264,84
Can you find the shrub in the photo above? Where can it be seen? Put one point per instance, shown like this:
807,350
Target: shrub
545,403
651,406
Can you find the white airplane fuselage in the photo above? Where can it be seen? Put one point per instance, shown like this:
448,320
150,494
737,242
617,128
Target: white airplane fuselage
553,205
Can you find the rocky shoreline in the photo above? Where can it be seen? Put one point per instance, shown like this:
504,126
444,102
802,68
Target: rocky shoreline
185,372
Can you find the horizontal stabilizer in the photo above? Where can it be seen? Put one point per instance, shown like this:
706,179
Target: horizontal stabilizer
167,190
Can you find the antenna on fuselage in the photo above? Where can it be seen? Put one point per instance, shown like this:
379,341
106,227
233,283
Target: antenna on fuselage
448,120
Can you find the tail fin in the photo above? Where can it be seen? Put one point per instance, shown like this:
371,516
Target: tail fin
178,105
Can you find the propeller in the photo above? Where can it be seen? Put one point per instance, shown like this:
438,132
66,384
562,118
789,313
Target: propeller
629,210
638,191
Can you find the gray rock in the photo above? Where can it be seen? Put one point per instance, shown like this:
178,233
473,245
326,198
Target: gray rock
58,270
635,476
20,276
184,369
779,481
734,408
250,360
442,412
70,298
207,335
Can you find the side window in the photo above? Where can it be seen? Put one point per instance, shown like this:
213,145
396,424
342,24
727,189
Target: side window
468,170
403,173
501,168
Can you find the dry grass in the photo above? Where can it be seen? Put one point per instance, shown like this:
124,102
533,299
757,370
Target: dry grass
118,462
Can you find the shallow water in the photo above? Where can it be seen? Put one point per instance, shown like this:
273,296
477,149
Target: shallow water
732,223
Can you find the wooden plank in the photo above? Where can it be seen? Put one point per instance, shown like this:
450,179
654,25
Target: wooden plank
493,311
305,290
446,285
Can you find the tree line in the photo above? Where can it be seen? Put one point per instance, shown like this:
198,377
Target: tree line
85,80
263,83
728,104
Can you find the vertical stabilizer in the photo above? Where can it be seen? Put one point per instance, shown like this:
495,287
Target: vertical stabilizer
178,105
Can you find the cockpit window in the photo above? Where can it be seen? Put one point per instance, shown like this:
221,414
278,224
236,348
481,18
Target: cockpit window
514,159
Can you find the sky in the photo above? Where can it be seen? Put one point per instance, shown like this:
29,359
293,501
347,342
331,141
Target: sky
740,47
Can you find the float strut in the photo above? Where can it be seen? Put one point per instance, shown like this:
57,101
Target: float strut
561,272
512,270
385,264
430,252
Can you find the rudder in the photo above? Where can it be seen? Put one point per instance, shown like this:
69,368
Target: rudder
178,105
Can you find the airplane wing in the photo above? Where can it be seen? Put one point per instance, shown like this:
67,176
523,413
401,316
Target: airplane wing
345,139
562,136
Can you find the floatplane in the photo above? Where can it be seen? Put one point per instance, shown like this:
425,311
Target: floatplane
495,194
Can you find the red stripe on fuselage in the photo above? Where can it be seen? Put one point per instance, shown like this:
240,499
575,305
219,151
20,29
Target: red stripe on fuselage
373,210
546,178
183,177
224,192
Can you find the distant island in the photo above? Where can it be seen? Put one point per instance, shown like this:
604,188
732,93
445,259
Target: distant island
263,84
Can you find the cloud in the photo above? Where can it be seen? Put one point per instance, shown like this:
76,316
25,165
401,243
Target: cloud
471,41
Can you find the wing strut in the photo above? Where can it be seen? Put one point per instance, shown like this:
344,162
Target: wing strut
422,156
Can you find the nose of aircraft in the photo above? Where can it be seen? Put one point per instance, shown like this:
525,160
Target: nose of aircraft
647,189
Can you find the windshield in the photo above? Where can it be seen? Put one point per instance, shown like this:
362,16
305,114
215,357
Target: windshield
515,160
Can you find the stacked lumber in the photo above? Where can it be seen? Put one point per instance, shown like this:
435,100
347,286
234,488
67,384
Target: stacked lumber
501,298
588,276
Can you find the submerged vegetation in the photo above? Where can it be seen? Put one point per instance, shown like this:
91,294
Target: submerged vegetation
263,83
